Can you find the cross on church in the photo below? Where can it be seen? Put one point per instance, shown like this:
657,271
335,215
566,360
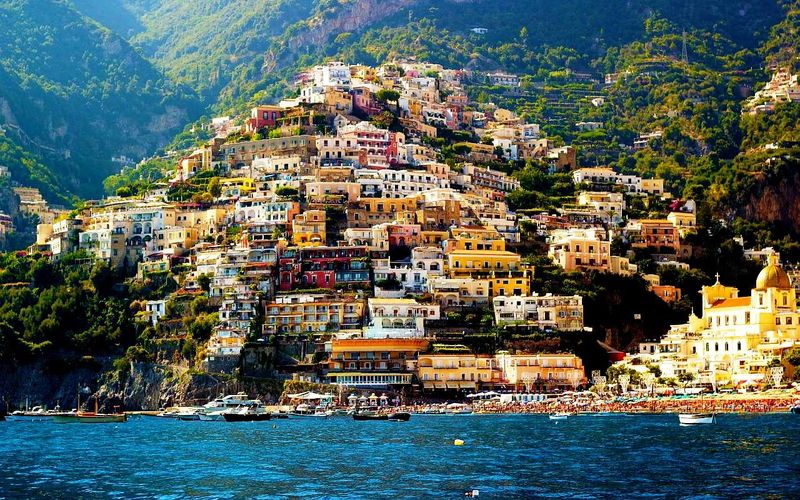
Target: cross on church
717,275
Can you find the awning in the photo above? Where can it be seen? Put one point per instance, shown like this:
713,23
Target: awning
467,385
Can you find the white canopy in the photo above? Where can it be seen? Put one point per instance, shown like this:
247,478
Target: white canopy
309,395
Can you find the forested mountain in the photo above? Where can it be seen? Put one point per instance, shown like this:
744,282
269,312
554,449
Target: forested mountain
134,66
74,94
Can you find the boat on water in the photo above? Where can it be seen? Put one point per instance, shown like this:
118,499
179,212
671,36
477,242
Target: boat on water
189,415
795,409
400,416
369,415
458,409
213,411
247,413
695,418
303,410
84,417
35,414
559,416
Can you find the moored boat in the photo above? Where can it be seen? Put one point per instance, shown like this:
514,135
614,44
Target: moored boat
36,414
90,418
559,416
795,409
249,413
369,416
400,416
696,418
214,411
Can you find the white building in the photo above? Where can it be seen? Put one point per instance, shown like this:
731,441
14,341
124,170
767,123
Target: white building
399,318
403,183
557,312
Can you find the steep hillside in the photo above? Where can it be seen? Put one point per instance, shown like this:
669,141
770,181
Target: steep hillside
75,94
203,43
231,51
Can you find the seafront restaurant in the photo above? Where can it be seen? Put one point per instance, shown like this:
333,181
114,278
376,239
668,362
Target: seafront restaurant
364,363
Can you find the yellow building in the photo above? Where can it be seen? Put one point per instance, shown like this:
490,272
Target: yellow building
237,187
475,238
308,228
466,262
736,338
315,314
509,284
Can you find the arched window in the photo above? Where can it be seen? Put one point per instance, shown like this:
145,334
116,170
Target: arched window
738,346
726,346
716,346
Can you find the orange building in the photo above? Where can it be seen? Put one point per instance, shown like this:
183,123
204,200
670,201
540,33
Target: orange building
376,363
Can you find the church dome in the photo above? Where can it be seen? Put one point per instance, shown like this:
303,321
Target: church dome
772,276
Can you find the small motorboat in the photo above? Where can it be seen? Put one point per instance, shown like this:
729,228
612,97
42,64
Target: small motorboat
247,413
400,416
559,416
193,414
695,418
278,414
369,416
795,409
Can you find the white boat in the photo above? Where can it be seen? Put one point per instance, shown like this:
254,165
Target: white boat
458,409
696,418
559,416
35,414
303,410
213,410
189,414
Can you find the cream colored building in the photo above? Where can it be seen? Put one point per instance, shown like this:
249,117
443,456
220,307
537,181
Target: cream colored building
580,249
736,338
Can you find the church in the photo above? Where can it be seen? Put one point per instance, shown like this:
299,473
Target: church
736,338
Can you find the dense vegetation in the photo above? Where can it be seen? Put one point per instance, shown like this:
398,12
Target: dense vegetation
74,94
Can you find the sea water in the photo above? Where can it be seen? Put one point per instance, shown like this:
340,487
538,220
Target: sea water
504,456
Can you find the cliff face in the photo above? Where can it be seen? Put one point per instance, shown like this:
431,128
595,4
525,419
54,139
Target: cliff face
775,197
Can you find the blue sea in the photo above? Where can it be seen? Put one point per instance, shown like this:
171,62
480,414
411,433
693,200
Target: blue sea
510,456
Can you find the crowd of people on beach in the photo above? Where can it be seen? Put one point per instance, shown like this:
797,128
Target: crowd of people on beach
765,404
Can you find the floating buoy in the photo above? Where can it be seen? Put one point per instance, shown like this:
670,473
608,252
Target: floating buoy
458,442
274,426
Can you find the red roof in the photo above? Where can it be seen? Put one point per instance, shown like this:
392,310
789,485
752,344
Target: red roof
738,302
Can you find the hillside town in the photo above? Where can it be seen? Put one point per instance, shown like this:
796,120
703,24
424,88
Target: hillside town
329,231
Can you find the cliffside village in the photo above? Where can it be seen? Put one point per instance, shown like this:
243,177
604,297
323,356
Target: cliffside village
325,227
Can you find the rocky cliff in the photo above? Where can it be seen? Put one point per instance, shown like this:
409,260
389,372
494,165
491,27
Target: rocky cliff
774,196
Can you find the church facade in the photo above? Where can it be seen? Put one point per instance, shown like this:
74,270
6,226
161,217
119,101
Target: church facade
736,339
